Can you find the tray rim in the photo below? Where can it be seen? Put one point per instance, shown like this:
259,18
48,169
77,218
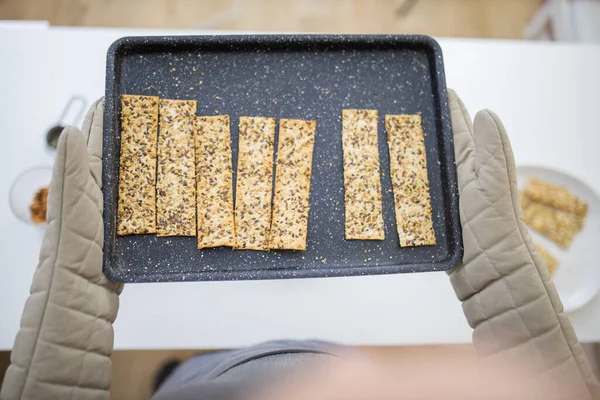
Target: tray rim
444,124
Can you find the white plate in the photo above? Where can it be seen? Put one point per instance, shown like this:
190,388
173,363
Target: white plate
577,278
24,189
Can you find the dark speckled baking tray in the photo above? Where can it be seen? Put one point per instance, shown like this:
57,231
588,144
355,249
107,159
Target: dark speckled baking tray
307,77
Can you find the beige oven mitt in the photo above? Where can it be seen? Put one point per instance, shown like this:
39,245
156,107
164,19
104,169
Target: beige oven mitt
62,349
505,289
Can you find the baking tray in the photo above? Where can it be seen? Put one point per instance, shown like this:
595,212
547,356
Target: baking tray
288,76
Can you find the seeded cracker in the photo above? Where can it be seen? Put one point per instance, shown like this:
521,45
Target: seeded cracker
525,201
549,260
557,225
408,168
176,181
362,185
254,183
292,185
214,190
555,196
137,165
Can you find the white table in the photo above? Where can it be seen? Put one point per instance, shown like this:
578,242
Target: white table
547,94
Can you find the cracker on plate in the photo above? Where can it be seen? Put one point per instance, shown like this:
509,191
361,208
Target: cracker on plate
549,260
557,225
555,196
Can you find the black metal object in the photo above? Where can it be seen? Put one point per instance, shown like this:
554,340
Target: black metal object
307,77
77,103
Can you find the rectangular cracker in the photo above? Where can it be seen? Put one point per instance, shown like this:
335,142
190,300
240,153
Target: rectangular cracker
362,185
525,201
408,171
176,175
254,184
549,260
137,165
557,225
555,196
289,225
214,182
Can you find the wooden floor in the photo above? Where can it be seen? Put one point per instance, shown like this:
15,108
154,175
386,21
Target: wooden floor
460,18
133,370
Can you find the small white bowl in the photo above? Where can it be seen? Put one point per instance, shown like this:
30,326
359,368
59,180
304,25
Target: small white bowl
23,190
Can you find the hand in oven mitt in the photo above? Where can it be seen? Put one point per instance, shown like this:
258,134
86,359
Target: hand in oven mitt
66,337
505,289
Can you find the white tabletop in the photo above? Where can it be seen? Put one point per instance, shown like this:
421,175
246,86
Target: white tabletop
547,94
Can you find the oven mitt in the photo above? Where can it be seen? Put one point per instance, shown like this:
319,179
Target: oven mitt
505,289
62,349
